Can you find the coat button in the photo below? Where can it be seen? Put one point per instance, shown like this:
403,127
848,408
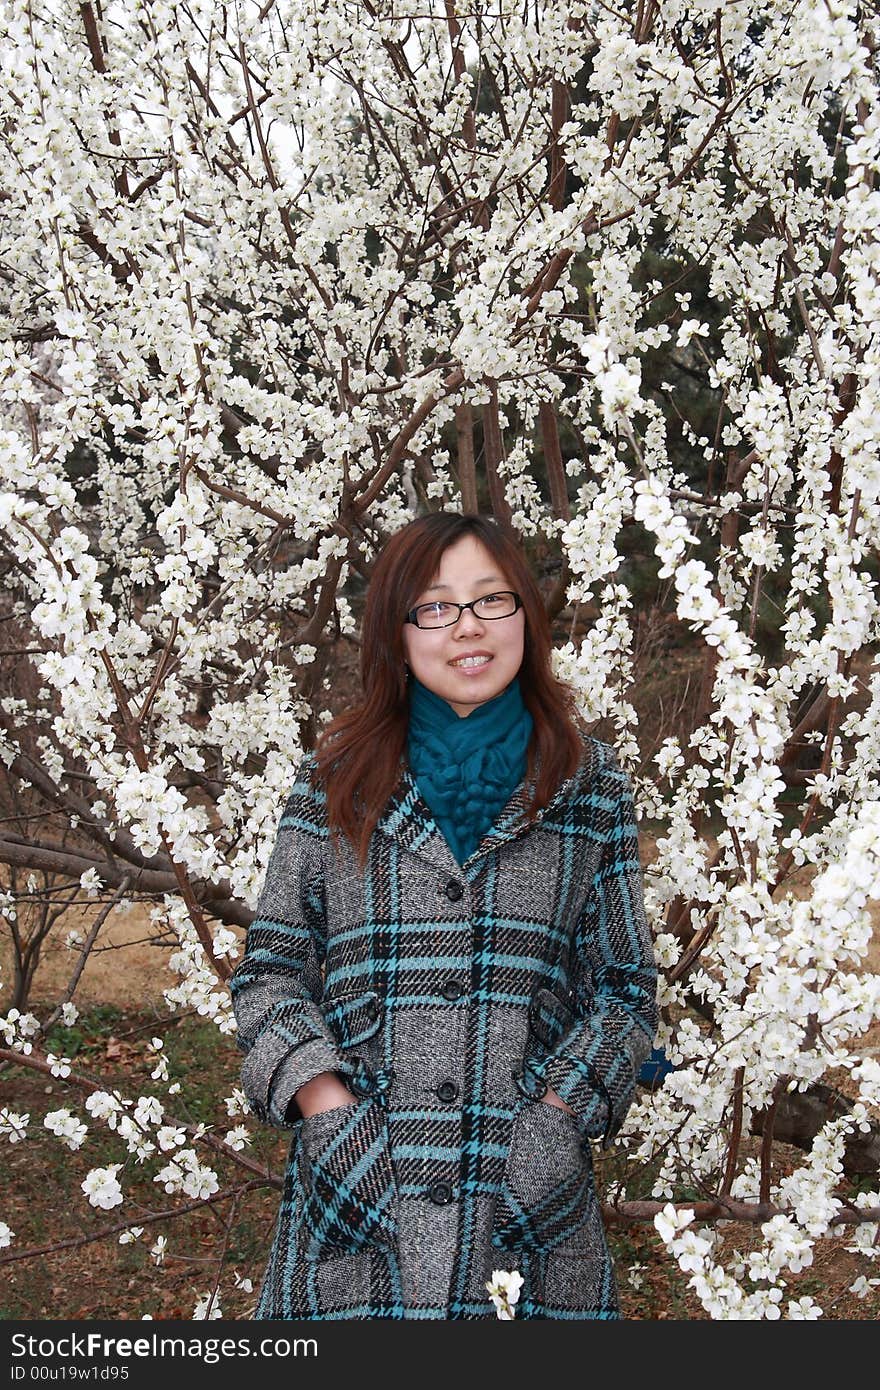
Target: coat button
454,890
440,1193
447,1090
371,1010
452,989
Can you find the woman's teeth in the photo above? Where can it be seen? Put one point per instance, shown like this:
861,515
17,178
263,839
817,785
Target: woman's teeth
472,661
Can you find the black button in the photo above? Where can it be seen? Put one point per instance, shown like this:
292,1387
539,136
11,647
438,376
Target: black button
454,890
440,1193
447,1090
538,1088
452,989
371,1009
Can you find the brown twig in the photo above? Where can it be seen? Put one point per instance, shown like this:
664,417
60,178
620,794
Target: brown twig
74,1242
726,1209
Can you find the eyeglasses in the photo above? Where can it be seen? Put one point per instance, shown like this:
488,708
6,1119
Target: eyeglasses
443,614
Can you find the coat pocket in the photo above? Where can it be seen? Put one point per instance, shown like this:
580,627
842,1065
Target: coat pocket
547,1194
350,1192
354,1017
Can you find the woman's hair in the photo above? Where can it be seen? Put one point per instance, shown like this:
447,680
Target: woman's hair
358,755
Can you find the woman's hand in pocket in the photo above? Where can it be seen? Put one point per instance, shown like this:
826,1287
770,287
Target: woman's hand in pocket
323,1092
551,1098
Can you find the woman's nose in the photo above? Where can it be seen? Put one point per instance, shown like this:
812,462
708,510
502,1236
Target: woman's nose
468,622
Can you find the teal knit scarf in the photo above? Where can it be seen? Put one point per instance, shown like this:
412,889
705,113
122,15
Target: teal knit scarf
467,768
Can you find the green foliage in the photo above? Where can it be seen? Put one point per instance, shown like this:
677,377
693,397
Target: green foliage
93,1027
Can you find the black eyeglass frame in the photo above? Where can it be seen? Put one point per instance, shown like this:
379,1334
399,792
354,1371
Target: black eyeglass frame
462,607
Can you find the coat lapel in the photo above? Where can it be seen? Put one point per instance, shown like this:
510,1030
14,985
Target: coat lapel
408,820
508,824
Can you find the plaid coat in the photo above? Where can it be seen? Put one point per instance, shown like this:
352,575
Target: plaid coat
449,998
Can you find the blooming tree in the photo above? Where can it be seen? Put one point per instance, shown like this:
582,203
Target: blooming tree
276,275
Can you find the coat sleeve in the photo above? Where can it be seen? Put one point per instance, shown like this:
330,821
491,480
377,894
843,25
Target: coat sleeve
277,986
594,1066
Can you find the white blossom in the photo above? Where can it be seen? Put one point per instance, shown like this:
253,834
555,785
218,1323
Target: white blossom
804,1309
102,1106
862,1286
504,1288
170,1137
102,1187
91,882
185,1174
13,1126
66,1127
207,1306
237,1138
671,1221
237,1103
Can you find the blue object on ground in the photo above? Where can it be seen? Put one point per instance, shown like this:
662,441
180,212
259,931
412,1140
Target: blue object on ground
657,1066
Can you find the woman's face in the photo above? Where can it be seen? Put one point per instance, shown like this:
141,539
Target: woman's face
467,571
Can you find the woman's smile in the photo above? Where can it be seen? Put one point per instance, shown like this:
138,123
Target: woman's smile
471,664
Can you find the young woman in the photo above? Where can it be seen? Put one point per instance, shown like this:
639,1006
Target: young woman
449,984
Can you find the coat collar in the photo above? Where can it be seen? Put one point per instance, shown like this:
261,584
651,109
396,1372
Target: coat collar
408,820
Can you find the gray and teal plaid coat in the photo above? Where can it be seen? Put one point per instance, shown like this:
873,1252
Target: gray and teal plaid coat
449,998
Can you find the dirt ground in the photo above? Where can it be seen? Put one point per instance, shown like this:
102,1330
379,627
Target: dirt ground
129,961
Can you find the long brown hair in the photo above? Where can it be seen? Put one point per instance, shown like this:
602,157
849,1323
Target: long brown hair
358,755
